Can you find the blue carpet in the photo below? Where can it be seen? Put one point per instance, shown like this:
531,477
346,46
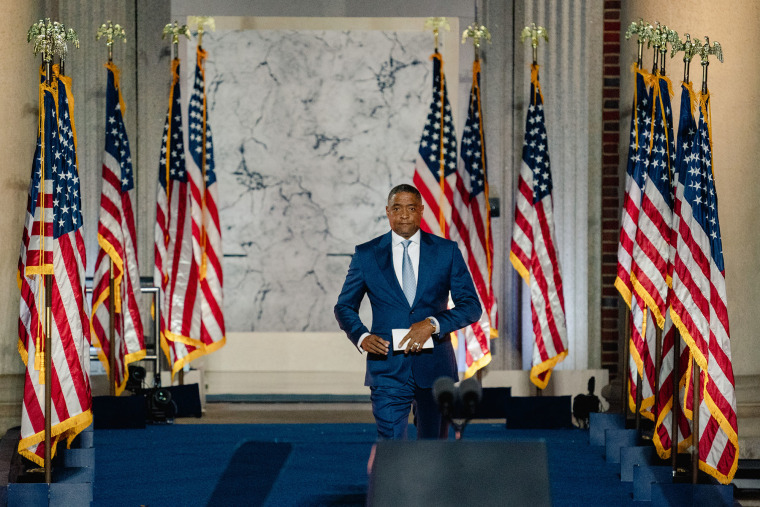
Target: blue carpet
250,474
325,464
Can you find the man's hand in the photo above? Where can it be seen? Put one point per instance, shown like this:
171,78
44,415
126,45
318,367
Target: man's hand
417,336
375,345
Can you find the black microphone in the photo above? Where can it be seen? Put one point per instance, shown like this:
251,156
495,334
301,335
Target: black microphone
444,395
470,393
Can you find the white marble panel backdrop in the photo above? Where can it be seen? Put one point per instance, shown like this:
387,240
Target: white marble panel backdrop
311,130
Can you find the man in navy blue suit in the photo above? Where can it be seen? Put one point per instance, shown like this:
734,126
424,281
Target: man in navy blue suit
408,275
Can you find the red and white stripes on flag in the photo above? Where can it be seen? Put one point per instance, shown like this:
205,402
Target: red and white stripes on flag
176,272
699,306
651,249
634,184
435,170
643,338
641,358
534,251
471,229
672,399
52,246
207,235
662,437
117,240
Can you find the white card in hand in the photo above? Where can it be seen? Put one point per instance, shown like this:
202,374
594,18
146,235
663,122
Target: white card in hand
399,334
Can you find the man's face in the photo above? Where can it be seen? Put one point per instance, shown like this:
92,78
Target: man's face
404,213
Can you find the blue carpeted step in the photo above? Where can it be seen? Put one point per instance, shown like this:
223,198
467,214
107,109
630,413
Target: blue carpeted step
73,475
55,494
27,494
615,439
631,456
645,476
71,493
696,495
85,439
599,422
78,457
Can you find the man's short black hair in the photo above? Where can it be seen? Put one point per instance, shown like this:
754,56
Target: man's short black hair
404,187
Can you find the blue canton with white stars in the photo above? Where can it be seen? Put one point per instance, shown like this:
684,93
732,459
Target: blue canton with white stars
671,139
699,190
638,151
473,154
34,186
67,207
659,162
430,144
173,144
687,128
535,149
117,144
195,124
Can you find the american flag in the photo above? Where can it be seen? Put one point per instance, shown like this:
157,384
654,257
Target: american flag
534,253
641,357
435,170
471,220
662,437
52,246
634,183
207,235
651,247
117,240
175,273
699,306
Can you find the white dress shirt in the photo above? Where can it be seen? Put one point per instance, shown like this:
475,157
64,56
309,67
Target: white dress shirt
398,255
397,249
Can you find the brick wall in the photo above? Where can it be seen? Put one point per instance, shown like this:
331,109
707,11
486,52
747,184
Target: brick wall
612,326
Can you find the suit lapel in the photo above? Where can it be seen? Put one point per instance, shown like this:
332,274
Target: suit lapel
427,259
384,256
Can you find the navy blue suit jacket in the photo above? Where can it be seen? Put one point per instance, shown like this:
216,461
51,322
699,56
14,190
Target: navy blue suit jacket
441,270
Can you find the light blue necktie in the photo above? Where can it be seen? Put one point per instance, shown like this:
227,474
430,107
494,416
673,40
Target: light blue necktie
408,282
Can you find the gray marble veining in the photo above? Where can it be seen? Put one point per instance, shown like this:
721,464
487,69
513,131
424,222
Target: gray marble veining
311,130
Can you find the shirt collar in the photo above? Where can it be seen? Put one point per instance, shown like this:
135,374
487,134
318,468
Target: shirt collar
396,239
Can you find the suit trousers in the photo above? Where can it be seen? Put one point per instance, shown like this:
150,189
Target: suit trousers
391,406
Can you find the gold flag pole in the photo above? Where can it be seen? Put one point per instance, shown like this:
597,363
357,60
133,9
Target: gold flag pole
534,33
655,42
69,35
689,49
668,37
705,51
436,24
50,40
477,33
111,32
202,23
642,30
175,30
